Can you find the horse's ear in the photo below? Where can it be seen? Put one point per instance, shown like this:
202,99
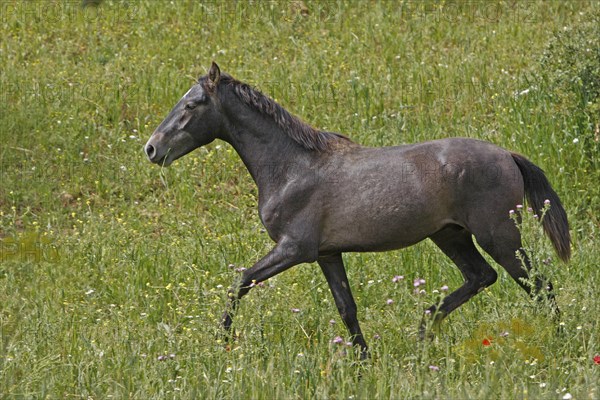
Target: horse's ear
214,74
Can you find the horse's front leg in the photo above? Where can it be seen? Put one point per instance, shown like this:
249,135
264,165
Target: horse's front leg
335,273
284,255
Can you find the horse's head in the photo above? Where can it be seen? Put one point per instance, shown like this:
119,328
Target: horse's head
193,122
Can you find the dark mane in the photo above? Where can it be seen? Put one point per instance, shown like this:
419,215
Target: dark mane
302,133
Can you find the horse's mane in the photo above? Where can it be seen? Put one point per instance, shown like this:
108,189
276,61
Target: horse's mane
301,132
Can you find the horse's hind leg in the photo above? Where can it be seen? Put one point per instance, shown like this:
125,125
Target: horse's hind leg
503,246
457,243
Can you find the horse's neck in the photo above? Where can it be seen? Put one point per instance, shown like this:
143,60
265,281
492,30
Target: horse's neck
265,149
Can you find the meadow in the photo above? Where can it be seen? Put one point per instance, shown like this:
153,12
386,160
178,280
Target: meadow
114,272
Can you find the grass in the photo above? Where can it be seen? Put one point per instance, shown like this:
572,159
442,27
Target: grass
114,273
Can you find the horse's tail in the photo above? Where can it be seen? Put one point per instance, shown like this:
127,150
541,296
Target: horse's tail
538,190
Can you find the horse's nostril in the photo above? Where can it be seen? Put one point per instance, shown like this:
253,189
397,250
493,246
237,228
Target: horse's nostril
150,151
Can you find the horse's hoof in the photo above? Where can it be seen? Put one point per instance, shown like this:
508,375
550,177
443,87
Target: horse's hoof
365,355
425,333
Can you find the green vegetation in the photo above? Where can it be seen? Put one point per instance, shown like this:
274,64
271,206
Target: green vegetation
113,273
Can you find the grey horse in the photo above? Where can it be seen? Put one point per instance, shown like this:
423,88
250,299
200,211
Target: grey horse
320,195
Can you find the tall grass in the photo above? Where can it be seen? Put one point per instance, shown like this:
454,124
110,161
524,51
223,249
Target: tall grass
114,273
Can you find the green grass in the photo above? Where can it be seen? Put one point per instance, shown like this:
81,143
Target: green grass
108,263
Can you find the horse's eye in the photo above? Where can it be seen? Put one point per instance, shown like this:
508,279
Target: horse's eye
190,106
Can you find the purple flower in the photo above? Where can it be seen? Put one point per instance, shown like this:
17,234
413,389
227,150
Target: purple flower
337,340
376,337
397,278
295,310
444,288
389,302
546,202
519,207
529,209
427,312
162,358
511,212
535,216
331,321
418,282
434,368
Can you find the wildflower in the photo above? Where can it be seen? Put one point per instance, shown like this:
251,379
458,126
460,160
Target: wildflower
546,202
519,207
337,340
597,359
444,288
504,334
418,282
397,278
331,321
349,344
434,368
487,341
511,212
377,337
295,310
162,358
389,302
567,396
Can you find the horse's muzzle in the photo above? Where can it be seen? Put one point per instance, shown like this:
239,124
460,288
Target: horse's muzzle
150,152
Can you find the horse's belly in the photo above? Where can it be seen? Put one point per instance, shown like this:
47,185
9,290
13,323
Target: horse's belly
370,231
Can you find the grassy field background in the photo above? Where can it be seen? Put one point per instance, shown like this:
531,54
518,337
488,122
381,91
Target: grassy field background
114,273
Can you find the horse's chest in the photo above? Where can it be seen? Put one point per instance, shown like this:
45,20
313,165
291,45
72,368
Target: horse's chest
285,214
270,212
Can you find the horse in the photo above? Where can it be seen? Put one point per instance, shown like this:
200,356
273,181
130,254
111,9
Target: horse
320,194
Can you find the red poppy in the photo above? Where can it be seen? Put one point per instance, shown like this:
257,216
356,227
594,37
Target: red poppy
597,360
487,341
